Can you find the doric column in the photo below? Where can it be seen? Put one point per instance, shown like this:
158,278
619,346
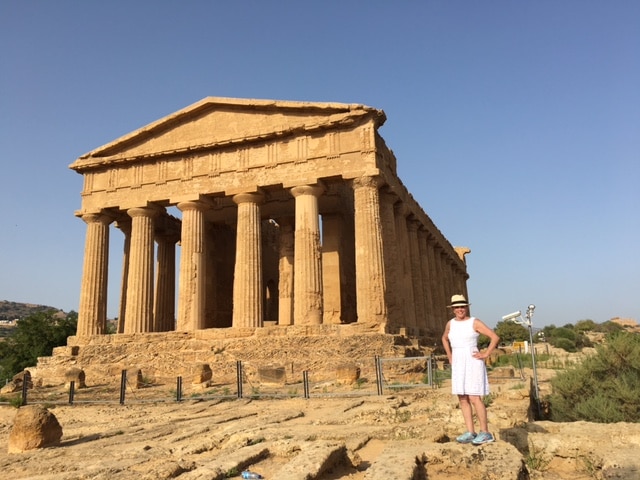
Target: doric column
92,314
333,230
247,280
441,281
370,275
416,273
191,301
404,265
440,312
307,285
164,315
139,309
285,282
423,246
390,242
125,226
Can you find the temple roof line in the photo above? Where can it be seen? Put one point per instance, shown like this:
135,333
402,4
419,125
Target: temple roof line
338,115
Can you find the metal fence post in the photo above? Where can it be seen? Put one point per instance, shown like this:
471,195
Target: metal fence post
179,389
378,374
123,386
305,383
26,378
72,386
239,377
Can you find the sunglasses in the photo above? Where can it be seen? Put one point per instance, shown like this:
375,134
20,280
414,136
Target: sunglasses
461,306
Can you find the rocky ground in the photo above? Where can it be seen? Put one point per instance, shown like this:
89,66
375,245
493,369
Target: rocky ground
404,435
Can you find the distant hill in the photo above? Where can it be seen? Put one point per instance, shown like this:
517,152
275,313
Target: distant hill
15,310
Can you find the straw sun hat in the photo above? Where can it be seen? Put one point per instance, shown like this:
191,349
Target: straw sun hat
459,301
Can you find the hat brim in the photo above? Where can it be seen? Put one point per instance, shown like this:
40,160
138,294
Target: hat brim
458,305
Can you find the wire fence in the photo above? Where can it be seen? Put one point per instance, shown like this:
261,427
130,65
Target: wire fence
248,379
245,379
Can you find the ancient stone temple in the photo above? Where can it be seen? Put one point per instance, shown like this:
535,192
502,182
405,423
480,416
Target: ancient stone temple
261,213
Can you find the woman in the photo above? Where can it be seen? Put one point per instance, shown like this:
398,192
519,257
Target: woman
468,372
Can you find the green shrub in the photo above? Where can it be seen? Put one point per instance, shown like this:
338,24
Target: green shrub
604,388
564,343
34,336
609,327
564,332
585,326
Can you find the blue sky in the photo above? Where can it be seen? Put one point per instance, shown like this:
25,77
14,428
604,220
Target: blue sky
516,125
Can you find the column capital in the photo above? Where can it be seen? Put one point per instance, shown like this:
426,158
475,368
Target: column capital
249,197
413,224
192,205
402,209
315,190
367,181
100,217
150,211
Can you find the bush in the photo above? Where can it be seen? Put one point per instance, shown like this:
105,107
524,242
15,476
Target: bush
564,332
564,343
510,332
609,327
585,326
34,336
605,388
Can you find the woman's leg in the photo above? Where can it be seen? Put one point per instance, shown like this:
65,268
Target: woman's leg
481,411
467,413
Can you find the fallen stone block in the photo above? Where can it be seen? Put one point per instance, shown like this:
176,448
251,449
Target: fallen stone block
34,427
75,375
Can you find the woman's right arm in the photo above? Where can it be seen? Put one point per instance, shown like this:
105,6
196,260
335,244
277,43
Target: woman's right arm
445,341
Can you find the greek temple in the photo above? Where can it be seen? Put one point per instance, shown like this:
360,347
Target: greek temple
244,213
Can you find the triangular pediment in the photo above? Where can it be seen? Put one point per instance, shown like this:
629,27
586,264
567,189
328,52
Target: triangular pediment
218,122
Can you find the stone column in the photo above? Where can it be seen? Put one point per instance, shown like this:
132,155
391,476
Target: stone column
92,311
286,280
440,311
404,266
247,280
139,313
307,285
333,229
191,301
416,273
125,227
441,281
425,265
164,315
390,244
370,274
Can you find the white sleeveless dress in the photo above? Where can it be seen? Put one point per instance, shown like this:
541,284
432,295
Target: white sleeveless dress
468,374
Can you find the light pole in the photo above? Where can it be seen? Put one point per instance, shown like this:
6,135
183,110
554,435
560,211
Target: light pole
516,317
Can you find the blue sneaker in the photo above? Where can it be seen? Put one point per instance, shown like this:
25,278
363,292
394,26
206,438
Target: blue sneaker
483,437
467,437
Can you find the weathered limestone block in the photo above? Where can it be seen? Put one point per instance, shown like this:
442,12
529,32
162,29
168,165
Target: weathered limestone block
347,373
134,378
508,372
202,374
15,384
76,375
272,375
34,427
10,387
20,378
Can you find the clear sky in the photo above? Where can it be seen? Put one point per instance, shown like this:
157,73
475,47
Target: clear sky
516,125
